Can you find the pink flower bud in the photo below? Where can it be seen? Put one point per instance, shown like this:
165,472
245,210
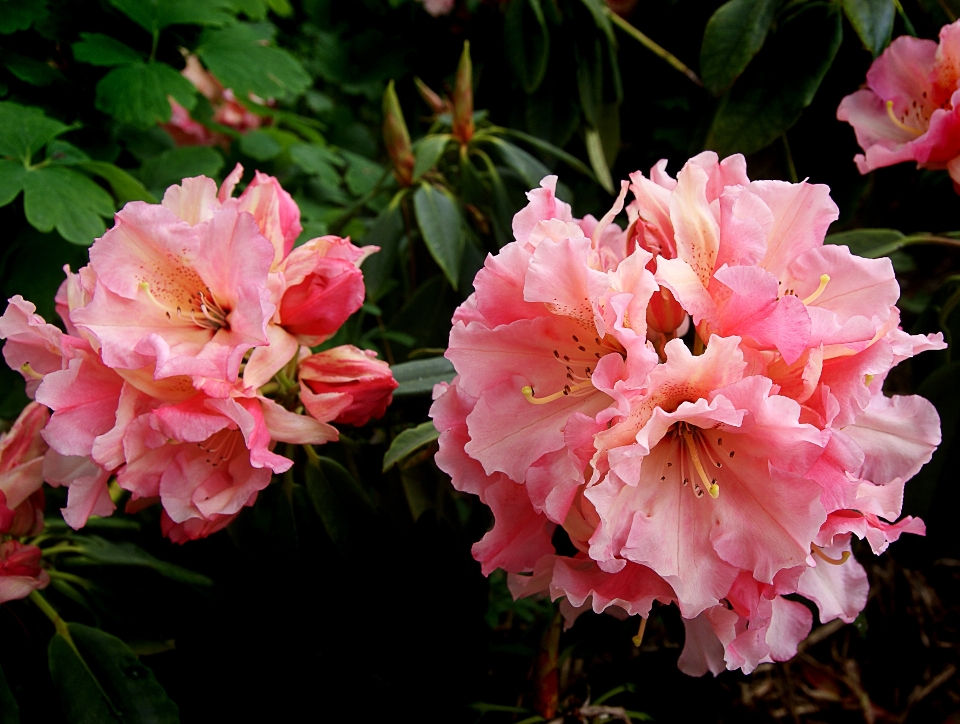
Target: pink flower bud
396,137
347,376
20,571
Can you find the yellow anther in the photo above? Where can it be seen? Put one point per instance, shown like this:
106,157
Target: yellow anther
900,124
867,379
832,561
714,490
638,639
824,280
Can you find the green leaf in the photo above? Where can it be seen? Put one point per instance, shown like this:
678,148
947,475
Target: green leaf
598,159
529,168
588,57
63,153
9,710
527,42
362,174
21,14
341,503
30,70
770,96
440,225
873,21
408,442
25,130
124,186
102,681
238,58
865,242
386,233
175,164
427,152
136,94
733,36
11,180
56,197
260,146
154,15
318,161
96,551
99,49
548,148
419,376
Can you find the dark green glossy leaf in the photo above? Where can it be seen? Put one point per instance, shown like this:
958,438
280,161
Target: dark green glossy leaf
419,376
240,60
103,50
318,161
58,198
179,163
30,70
551,150
341,503
441,226
865,242
96,551
527,42
769,98
9,710
408,442
598,158
733,36
154,15
102,681
11,180
529,168
137,94
589,61
386,233
873,21
25,130
427,152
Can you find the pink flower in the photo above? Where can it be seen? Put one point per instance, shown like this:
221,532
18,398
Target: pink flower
21,473
226,111
720,479
20,571
146,385
438,7
908,111
353,380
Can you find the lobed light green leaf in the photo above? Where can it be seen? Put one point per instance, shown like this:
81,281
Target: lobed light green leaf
260,146
58,198
441,226
11,180
240,60
136,94
733,36
362,174
124,186
103,50
24,130
318,161
175,164
21,14
154,15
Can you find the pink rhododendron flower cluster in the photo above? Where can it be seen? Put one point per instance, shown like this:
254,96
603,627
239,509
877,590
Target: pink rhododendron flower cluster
176,374
720,476
226,110
909,110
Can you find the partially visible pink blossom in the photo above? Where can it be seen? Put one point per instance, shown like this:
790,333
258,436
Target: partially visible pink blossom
438,7
20,571
909,110
21,473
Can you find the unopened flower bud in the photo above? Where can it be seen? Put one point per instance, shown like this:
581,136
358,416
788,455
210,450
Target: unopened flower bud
397,137
463,97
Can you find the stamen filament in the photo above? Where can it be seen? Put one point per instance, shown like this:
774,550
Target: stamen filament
900,124
832,561
824,280
711,485
639,637
567,390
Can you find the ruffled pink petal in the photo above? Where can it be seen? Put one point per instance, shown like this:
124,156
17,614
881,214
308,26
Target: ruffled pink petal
520,535
840,591
543,204
33,346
